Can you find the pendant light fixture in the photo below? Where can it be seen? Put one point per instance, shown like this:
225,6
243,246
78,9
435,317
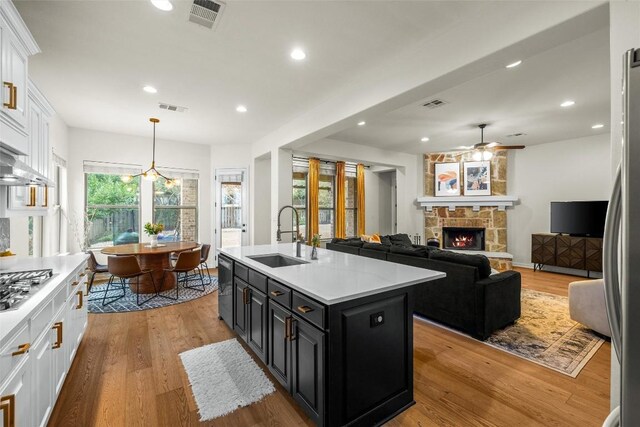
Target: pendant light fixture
152,174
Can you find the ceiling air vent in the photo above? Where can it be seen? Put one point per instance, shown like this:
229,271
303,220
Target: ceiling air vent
165,106
206,12
435,103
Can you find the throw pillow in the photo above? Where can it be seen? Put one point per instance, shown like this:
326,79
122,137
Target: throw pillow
400,240
385,240
352,241
481,262
375,238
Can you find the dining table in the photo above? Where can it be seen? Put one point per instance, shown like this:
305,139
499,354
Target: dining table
156,259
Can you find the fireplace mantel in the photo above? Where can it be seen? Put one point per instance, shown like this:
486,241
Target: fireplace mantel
475,202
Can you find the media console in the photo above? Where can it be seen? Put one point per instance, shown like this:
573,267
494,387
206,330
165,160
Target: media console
581,253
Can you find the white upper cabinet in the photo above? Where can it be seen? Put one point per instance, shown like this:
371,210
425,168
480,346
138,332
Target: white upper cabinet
16,45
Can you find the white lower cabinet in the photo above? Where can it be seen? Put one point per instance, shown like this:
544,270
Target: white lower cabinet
29,391
42,393
16,397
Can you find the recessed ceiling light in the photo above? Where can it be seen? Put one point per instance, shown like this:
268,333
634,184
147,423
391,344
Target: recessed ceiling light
424,139
241,109
567,103
150,89
514,64
597,126
298,54
164,5
362,123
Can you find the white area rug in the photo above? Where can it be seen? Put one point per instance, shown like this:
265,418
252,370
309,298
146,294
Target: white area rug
223,378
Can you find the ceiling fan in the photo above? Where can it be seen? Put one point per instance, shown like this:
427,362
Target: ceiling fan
482,150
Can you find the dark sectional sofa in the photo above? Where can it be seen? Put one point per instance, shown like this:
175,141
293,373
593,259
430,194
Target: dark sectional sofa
469,299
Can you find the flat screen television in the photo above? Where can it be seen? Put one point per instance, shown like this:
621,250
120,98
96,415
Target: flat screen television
579,218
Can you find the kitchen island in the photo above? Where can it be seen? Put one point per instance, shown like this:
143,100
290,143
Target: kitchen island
336,332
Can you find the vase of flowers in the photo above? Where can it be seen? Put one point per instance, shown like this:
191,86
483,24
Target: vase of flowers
315,243
152,231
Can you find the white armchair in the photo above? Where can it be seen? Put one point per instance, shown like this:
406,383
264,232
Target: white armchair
587,305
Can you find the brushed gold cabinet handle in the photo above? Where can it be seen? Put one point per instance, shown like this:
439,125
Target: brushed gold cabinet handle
74,283
32,197
291,336
276,293
58,327
304,309
83,274
12,95
287,327
246,296
8,408
86,289
80,300
22,349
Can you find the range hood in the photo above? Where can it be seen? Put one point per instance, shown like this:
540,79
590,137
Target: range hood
14,172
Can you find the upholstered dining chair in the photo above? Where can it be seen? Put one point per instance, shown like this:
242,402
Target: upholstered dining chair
94,269
204,256
127,268
187,262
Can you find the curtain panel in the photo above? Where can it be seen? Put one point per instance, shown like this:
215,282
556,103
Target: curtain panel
313,189
360,197
341,226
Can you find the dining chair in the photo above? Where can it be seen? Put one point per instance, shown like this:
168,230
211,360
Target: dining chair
94,269
127,268
204,255
187,262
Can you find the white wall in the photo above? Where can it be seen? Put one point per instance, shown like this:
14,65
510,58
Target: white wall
577,169
261,195
378,203
117,148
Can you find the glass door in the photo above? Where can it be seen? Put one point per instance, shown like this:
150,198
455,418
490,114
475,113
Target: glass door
231,208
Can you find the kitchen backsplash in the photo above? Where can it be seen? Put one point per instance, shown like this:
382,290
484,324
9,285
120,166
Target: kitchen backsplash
4,234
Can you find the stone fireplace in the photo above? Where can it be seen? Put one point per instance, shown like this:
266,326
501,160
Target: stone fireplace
463,238
467,212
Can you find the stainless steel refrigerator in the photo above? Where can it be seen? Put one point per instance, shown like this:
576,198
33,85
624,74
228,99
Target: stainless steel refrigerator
622,252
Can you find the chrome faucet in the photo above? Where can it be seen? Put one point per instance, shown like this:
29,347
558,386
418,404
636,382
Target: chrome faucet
296,237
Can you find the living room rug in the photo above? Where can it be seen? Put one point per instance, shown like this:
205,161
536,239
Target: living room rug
224,377
128,302
546,335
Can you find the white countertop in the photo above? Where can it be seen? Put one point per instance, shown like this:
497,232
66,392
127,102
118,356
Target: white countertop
63,266
335,277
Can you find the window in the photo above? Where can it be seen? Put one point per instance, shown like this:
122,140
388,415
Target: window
351,214
112,209
300,200
177,209
326,206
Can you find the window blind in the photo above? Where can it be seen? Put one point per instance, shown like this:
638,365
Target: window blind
110,168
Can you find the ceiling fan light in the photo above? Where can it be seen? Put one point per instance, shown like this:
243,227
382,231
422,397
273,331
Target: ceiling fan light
477,156
487,155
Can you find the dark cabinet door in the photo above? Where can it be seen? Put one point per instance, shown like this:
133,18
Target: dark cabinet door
240,290
307,354
257,323
279,346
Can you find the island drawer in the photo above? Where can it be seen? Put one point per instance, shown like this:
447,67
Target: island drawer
308,309
242,271
258,281
279,293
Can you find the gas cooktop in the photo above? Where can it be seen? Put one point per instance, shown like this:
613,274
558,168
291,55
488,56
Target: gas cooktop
17,286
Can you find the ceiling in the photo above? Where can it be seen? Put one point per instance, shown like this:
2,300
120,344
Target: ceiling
97,55
524,99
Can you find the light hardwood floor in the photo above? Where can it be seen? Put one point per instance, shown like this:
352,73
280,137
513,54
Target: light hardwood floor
128,373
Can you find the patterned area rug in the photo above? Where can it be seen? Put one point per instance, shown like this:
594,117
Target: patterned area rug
128,302
546,335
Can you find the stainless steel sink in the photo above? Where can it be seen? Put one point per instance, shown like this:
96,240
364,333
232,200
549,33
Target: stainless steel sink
277,260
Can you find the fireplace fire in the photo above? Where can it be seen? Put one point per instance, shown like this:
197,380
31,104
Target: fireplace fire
464,238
